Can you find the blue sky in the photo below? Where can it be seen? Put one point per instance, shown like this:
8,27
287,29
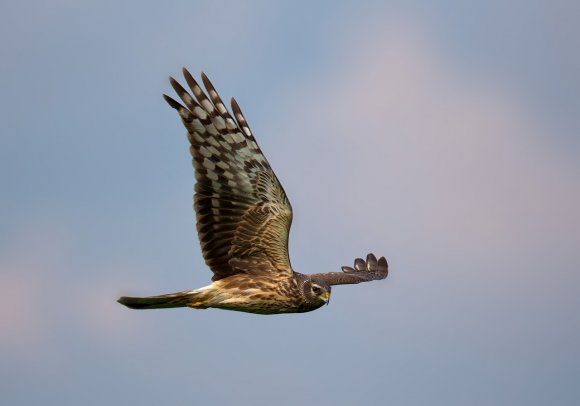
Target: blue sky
444,136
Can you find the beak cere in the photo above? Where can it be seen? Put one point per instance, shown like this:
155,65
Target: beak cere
327,297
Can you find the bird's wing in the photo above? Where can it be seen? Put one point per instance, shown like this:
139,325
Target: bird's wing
363,271
243,214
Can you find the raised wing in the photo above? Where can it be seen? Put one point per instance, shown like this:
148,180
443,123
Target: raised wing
243,214
363,271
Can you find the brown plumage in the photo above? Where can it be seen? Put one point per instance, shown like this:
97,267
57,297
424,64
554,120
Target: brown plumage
243,220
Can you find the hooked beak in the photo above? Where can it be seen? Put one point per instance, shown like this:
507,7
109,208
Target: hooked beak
327,297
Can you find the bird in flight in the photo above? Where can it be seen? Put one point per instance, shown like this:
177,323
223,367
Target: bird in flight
243,220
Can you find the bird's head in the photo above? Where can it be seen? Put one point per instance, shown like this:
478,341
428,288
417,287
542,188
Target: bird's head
317,291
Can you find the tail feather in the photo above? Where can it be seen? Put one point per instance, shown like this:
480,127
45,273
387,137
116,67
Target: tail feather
179,299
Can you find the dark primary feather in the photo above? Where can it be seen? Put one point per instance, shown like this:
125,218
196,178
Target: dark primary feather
242,210
363,271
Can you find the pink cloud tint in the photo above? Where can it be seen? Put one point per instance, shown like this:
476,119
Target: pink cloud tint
29,266
416,137
43,293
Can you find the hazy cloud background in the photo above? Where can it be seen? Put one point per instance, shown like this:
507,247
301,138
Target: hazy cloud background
443,136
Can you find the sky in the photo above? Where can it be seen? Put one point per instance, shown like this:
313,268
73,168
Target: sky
443,135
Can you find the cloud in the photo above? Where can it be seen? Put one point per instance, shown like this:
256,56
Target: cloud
30,261
46,294
429,152
401,152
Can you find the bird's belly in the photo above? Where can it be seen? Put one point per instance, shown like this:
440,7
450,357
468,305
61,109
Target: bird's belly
260,295
256,301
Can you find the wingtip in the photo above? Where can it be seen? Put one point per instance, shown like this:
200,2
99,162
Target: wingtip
172,102
383,266
173,82
188,77
176,86
235,108
206,82
360,264
371,262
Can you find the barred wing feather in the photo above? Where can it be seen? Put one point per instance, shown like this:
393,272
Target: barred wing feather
243,214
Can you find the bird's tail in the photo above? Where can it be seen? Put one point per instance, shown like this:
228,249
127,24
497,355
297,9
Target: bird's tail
187,298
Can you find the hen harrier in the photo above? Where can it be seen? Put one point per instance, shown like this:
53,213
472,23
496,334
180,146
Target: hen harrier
243,220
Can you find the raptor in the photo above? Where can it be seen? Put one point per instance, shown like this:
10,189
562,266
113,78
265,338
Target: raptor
243,220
